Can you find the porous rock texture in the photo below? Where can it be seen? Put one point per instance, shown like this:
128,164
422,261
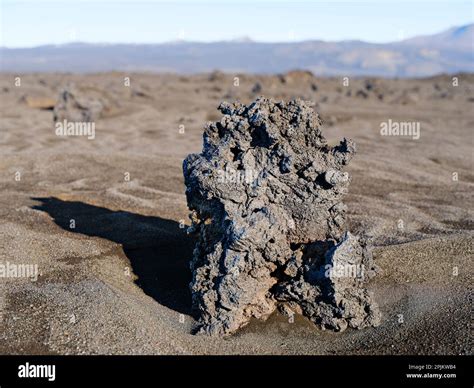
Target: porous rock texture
265,199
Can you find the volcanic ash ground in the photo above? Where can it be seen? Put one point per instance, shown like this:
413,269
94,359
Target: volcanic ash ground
266,200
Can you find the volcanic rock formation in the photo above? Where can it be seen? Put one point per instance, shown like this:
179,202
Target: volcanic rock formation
83,104
265,195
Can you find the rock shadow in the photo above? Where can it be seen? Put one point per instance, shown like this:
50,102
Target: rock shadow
158,249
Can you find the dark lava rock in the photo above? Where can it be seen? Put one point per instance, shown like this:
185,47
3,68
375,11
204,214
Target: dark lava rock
266,200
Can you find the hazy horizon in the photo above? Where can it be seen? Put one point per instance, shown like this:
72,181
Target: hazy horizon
32,24
234,40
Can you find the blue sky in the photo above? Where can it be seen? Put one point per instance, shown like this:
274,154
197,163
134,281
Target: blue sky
32,23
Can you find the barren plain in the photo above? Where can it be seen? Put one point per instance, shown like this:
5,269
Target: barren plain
115,281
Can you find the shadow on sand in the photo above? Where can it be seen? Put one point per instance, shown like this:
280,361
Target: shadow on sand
159,251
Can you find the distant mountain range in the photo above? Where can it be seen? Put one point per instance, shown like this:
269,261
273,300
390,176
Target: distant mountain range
447,52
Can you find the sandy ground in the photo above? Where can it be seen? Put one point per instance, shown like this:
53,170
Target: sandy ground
117,283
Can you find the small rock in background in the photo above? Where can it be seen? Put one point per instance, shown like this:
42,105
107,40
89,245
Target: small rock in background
38,102
257,88
83,104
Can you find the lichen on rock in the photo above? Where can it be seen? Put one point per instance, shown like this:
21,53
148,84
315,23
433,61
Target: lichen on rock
266,200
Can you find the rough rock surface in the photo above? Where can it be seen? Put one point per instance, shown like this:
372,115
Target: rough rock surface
265,195
83,104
